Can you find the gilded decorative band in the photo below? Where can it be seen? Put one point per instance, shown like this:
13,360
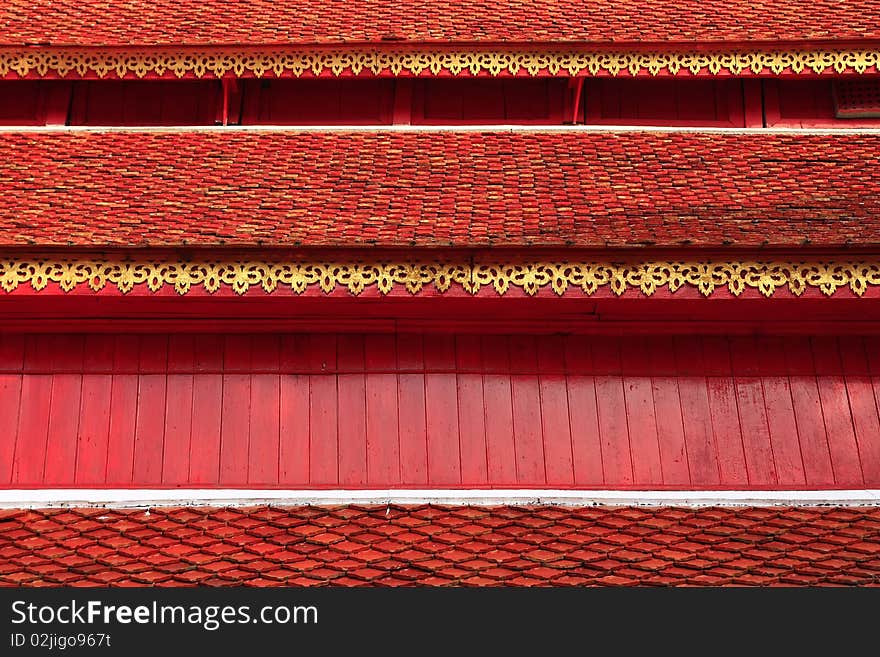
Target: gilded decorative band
62,62
471,276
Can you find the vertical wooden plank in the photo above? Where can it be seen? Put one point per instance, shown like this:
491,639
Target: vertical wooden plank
752,412
207,405
411,416
723,412
808,412
94,416
294,424
667,412
441,411
383,447
178,410
66,352
616,455
498,401
11,363
555,426
33,418
323,411
837,413
861,362
11,353
692,388
265,412
149,437
586,446
123,410
471,411
236,410
527,425
641,419
352,420
786,448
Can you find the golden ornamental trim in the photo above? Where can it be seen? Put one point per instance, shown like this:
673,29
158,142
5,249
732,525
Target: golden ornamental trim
561,277
62,62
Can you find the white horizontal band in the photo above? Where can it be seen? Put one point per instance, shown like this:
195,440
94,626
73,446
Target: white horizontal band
140,498
446,128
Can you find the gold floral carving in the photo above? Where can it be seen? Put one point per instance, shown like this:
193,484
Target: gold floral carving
318,61
471,276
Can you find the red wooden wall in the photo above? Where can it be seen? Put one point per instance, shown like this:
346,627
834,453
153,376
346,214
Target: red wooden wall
429,101
673,102
439,411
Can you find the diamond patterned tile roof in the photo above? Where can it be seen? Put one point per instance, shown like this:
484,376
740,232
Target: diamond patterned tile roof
440,545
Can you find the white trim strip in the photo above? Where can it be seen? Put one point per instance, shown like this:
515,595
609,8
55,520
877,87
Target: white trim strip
444,128
141,498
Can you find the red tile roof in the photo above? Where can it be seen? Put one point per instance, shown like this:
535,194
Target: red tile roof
426,545
590,189
301,21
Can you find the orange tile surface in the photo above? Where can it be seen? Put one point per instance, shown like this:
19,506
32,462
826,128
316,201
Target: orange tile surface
434,189
298,21
441,546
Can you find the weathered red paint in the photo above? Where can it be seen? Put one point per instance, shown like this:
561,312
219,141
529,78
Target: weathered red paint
439,410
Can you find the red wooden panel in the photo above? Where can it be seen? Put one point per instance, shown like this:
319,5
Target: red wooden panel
471,410
611,403
411,411
21,102
665,102
808,412
150,429
11,361
323,412
383,449
667,410
207,400
94,415
641,419
236,410
178,410
695,414
837,414
352,411
441,411
752,412
265,412
723,412
586,445
488,100
555,416
869,439
319,102
144,102
66,352
527,425
498,400
294,413
123,410
258,410
786,448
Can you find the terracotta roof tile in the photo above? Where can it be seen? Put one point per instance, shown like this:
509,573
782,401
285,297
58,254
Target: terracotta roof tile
156,22
590,189
759,552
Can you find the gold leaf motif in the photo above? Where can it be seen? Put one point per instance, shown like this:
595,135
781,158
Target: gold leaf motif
219,62
561,277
